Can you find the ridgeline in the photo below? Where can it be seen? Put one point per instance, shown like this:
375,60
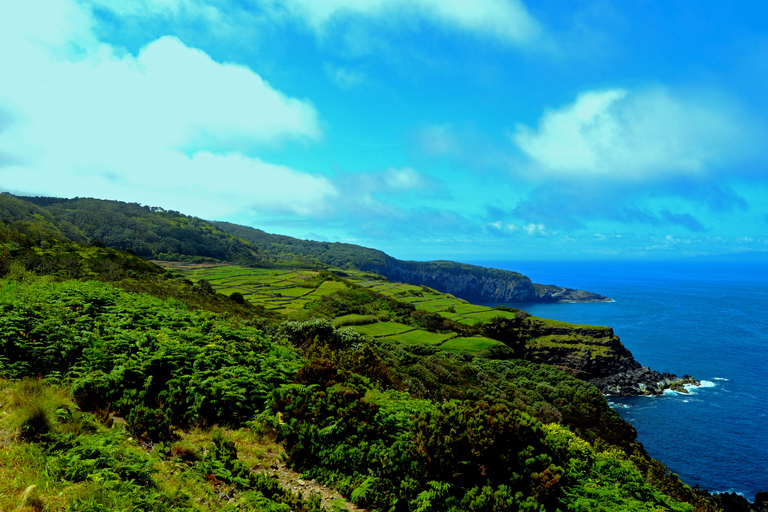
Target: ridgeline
155,233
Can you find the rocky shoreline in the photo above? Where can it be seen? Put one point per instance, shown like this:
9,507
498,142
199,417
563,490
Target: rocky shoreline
596,355
732,502
642,381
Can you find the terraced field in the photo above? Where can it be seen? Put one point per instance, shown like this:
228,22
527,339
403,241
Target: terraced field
293,292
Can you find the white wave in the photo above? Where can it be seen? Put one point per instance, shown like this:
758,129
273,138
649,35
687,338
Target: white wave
721,378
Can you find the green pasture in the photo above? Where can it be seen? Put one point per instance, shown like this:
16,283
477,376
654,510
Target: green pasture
474,344
485,315
288,292
571,342
419,337
382,329
566,325
468,308
354,320
327,288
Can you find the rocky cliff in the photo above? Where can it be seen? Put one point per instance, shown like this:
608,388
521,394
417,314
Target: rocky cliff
590,353
477,284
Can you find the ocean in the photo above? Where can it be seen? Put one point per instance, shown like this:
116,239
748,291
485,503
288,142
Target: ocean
708,319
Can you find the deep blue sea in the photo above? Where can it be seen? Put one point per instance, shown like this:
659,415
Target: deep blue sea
704,318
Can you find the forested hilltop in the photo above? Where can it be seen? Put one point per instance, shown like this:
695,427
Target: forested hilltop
124,386
155,233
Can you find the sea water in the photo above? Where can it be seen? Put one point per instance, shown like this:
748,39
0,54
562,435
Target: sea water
708,319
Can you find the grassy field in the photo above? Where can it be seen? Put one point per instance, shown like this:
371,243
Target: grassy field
571,342
292,292
420,337
474,345
381,329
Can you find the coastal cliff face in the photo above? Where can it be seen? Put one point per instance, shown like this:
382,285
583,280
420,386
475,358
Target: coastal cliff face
478,284
592,354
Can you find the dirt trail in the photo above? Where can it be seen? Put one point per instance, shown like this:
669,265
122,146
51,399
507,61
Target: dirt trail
292,481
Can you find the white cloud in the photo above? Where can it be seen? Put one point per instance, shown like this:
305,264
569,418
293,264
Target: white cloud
399,180
84,118
637,135
344,77
438,140
505,20
149,7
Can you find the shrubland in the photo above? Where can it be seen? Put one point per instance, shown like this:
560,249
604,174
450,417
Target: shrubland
125,387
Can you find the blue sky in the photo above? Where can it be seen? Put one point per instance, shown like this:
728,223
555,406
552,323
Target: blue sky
492,129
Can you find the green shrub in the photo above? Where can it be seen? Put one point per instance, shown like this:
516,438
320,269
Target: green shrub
37,409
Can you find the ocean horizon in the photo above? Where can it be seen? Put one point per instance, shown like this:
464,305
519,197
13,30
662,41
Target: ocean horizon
703,317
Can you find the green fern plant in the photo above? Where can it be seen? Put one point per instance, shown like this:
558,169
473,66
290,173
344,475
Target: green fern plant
427,497
363,492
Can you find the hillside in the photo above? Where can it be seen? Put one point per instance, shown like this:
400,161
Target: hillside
154,233
150,232
126,387
470,282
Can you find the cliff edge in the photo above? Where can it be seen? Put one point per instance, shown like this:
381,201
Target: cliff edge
590,353
477,284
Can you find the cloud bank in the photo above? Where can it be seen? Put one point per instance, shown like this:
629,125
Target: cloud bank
508,21
650,134
81,117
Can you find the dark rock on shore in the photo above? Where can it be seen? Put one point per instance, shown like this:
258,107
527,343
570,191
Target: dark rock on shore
642,381
732,502
593,354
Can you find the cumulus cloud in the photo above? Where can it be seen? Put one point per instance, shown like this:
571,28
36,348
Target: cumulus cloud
390,181
638,135
82,117
508,21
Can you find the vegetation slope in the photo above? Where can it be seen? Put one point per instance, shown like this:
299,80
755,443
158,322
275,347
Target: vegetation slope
125,387
155,233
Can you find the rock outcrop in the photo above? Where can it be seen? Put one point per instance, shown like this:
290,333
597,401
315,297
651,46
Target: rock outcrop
477,284
732,502
592,354
642,381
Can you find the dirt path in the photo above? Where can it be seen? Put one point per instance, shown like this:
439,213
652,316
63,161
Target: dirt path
292,481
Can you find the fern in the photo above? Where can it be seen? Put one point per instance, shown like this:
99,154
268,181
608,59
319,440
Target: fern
425,498
362,492
329,430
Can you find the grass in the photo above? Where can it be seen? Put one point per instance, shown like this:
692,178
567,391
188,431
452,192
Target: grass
382,329
419,337
475,344
37,475
288,292
565,325
571,342
485,316
356,320
328,287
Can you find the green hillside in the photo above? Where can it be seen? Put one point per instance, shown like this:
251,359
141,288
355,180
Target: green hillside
149,232
127,387
153,232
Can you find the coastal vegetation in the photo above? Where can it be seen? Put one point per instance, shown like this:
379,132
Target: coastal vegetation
127,386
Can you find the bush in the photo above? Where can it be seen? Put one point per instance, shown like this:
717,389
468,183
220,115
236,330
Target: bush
37,409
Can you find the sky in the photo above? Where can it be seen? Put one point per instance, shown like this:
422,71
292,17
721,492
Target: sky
429,129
